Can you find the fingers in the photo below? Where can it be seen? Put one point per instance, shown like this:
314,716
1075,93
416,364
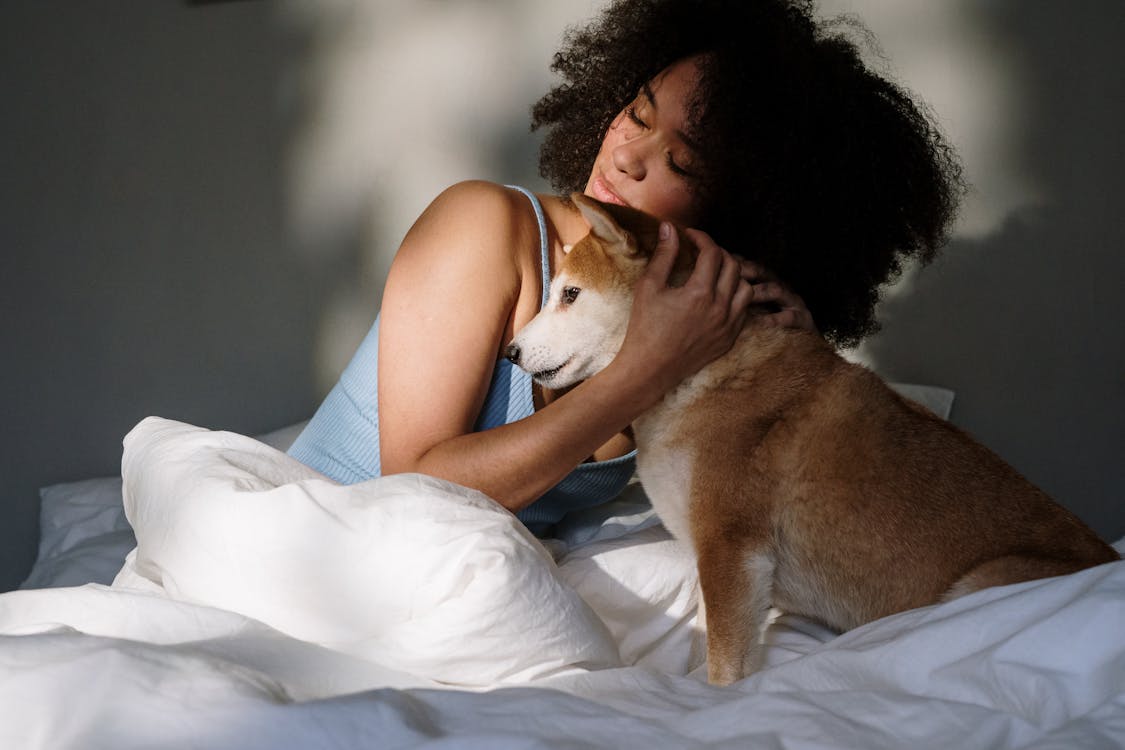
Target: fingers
719,280
730,278
728,282
790,310
755,272
664,255
726,285
741,301
767,292
709,261
750,270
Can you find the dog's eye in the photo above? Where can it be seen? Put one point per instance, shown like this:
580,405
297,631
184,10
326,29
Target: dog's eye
569,294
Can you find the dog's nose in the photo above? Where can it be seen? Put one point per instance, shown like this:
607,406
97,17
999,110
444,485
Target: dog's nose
512,353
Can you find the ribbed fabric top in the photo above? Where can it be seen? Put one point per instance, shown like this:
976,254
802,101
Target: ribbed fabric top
342,439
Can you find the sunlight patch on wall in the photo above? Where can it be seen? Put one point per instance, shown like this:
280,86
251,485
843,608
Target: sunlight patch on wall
396,100
972,82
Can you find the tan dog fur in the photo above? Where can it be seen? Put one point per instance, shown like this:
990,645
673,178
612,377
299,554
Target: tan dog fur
801,480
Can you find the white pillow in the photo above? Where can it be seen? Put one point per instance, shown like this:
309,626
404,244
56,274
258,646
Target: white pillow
408,571
83,534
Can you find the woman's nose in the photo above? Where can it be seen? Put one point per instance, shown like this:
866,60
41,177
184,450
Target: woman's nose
629,157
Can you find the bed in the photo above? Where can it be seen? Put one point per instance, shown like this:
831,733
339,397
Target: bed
220,594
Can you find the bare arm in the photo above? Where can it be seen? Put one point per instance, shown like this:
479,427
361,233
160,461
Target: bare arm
449,307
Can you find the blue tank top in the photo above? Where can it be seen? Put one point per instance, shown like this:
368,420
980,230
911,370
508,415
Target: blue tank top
342,439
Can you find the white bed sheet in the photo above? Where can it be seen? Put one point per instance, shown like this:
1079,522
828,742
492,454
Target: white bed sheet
289,612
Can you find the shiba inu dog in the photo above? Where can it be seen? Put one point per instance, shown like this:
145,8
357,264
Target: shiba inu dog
800,480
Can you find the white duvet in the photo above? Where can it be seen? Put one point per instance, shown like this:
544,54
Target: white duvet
267,607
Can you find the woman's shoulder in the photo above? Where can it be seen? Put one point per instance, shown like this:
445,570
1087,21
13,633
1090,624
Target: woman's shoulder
485,202
475,222
474,250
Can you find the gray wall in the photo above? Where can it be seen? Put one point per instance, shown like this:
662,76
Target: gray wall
145,266
161,253
198,204
1025,323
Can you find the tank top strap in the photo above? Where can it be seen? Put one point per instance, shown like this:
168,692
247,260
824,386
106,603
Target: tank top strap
544,243
590,483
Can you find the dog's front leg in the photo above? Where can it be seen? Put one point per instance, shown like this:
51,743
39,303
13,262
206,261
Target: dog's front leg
736,585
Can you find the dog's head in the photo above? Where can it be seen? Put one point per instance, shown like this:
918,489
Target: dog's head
581,328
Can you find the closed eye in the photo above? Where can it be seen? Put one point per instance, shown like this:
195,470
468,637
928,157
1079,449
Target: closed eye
676,168
631,113
569,294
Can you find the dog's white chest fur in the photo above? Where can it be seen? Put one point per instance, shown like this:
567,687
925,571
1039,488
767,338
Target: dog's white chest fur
665,463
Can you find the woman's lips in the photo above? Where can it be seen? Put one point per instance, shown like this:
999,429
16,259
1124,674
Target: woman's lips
604,193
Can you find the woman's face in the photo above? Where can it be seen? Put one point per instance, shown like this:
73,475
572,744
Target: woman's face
646,160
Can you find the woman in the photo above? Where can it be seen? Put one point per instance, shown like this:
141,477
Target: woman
747,120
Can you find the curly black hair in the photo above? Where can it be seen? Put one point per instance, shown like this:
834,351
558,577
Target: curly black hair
815,165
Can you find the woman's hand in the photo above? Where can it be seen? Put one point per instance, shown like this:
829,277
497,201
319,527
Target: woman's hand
675,331
790,310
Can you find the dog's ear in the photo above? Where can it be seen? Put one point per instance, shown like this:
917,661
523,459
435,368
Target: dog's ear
633,231
602,224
